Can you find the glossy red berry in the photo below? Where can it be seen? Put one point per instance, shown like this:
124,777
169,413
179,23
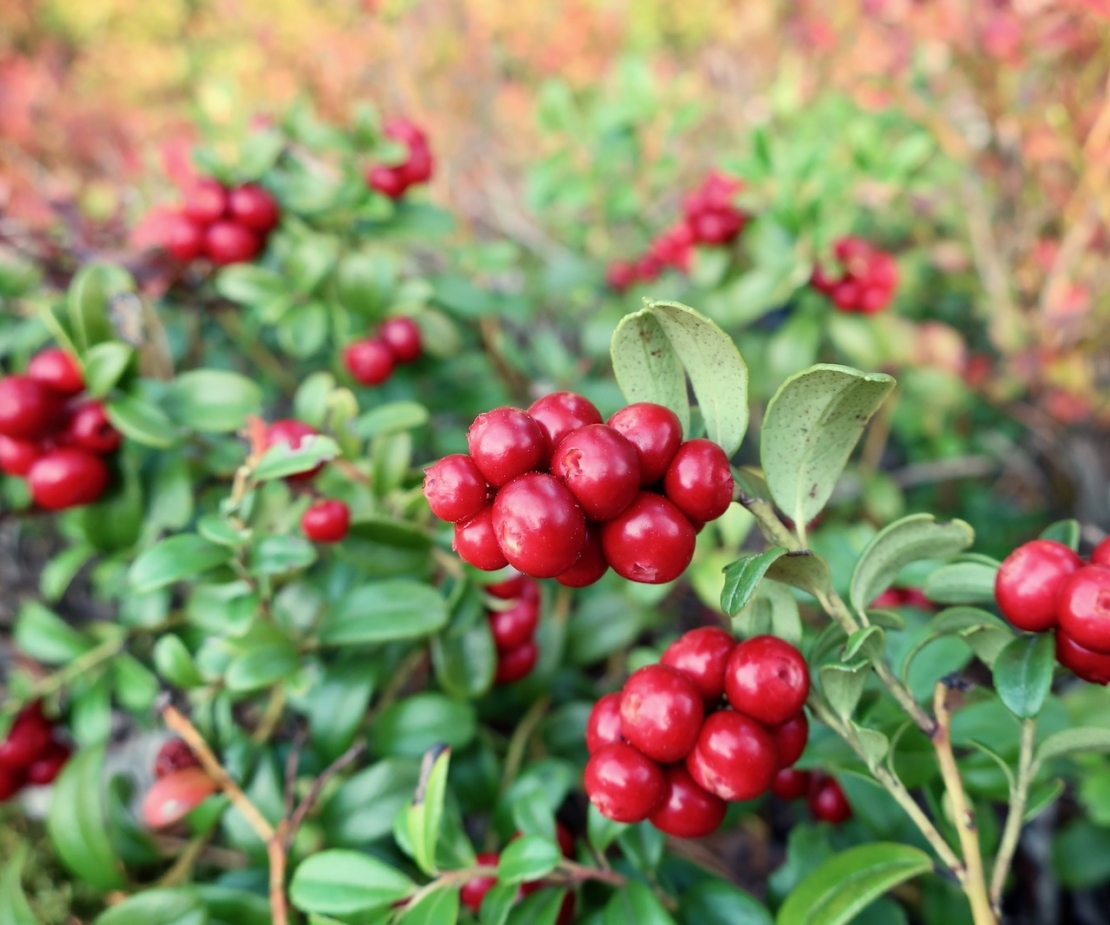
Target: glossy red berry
791,784
1029,582
651,541
1085,608
655,432
389,181
604,725
474,891
58,371
827,802
767,679
90,429
687,810
28,410
1093,667
538,525
734,756
505,443
17,456
174,796
661,713
48,765
514,586
560,413
699,480
405,130
600,467
67,477
11,782
369,361
455,488
293,433
254,207
326,521
701,655
513,627
623,783
402,337
1101,555
591,564
183,239
29,736
517,663
205,201
476,543
791,738
174,755
229,242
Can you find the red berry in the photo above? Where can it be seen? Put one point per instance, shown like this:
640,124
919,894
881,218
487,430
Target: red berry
389,181
28,738
655,432
565,840
767,679
1085,608
405,130
49,764
402,337
827,802
823,282
474,891
68,477
873,300
604,725
1029,582
253,207
229,242
28,410
699,480
790,784
1101,555
734,757
701,655
183,239
591,564
882,272
455,489
516,663
601,469
326,521
11,782
1090,666
516,585
90,429
58,371
915,597
651,541
505,443
420,165
560,413
538,525
661,713
846,295
514,627
17,456
476,543
205,201
623,783
174,755
369,361
790,739
292,433
718,227
621,275
888,600
174,796
686,810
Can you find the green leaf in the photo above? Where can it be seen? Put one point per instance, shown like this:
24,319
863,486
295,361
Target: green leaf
104,365
43,635
848,882
413,725
532,813
390,459
873,744
258,153
910,539
365,282
425,813
600,830
337,705
213,401
642,844
647,366
1023,674
805,570
715,902
59,572
635,902
465,661
843,685
88,301
249,284
365,805
273,555
173,559
772,611
1073,742
76,821
961,583
262,666
743,576
14,908
868,643
311,260
136,687
383,611
157,907
528,857
341,882
539,908
391,418
1063,531
175,663
141,421
282,460
440,907
811,426
231,906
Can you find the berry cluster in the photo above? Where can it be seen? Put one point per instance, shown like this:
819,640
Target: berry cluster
327,520
52,437
709,217
31,754
180,785
867,279
513,621
225,225
1043,585
665,749
370,360
395,181
557,494
823,795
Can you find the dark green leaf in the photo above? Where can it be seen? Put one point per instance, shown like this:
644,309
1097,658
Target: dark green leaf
341,882
600,830
772,611
715,902
104,365
88,300
262,666
1063,531
14,908
647,365
498,903
425,813
804,570
440,907
157,907
539,908
365,805
337,706
213,401
43,635
642,844
635,902
528,857
961,583
60,571
1081,855
142,422
274,555
135,686
743,576
1023,674
282,460
174,559
249,284
391,418
382,611
465,661
175,663
229,906
365,282
843,685
1073,742
415,724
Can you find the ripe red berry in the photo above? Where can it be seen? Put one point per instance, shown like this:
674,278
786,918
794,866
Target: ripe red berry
655,432
389,181
326,521
661,713
873,300
58,371
701,655
591,564
292,433
538,525
1093,667
686,810
601,469
174,796
604,725
505,443
67,477
1084,607
455,489
767,679
11,782
230,242
827,802
1029,582
28,410
17,456
476,543
791,784
734,757
474,891
183,239
791,738
514,586
402,337
205,201
174,755
516,663
560,413
49,764
405,130
624,784
90,429
1101,555
699,480
621,275
253,207
846,295
29,736
369,361
651,541
514,627
420,165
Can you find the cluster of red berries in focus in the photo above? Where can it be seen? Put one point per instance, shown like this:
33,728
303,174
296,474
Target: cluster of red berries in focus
52,437
1044,585
823,795
666,749
180,785
557,494
513,622
371,360
31,754
709,218
867,279
394,181
327,520
225,225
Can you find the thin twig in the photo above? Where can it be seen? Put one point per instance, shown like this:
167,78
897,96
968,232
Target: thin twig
1016,816
349,757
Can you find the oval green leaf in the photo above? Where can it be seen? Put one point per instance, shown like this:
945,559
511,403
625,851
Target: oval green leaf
142,422
383,611
173,559
743,576
1023,674
341,882
157,907
213,401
